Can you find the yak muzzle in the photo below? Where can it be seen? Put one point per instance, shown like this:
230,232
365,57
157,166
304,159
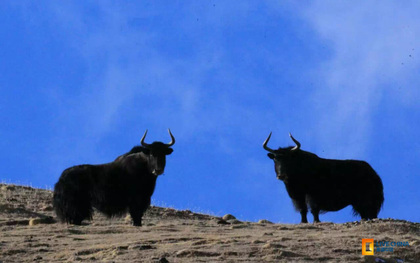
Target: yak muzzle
281,177
157,172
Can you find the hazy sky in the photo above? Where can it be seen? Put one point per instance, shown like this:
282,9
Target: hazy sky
81,81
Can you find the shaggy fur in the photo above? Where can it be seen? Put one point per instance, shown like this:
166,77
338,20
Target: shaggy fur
328,185
125,184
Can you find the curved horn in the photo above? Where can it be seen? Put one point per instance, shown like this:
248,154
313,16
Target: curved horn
142,140
297,147
172,139
265,144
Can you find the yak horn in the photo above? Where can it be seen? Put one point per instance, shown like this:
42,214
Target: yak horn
297,147
142,140
265,144
172,139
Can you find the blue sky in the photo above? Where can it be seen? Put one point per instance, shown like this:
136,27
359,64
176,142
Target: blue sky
80,82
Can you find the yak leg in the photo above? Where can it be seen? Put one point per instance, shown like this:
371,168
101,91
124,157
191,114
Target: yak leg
300,205
137,210
314,209
135,215
315,213
303,213
363,214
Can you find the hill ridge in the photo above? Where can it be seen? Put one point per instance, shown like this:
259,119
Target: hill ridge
29,232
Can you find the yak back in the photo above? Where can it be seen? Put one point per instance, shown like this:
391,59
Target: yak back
135,149
308,167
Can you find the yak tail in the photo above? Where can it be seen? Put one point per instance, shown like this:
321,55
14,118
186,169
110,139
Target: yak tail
371,209
71,200
378,196
371,202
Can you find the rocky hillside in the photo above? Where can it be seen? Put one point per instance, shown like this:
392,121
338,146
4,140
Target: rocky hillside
28,232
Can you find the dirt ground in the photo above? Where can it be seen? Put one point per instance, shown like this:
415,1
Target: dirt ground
28,232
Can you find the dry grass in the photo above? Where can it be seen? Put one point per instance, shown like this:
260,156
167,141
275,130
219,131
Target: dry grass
170,235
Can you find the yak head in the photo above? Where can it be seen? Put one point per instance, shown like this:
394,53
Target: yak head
156,154
150,156
285,159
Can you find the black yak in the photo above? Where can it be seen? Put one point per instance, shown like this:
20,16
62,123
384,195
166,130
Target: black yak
325,184
114,188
